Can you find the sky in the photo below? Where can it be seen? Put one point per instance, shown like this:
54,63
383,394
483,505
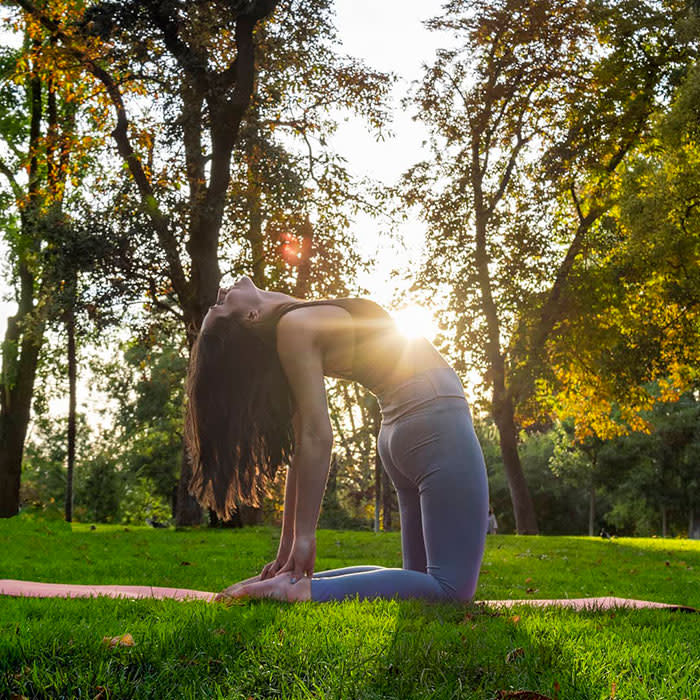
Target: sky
388,36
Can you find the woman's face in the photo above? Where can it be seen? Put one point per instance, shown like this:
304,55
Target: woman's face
238,300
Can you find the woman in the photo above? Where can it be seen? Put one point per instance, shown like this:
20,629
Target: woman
257,400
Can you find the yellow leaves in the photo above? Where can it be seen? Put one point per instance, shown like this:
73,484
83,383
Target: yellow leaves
599,410
122,640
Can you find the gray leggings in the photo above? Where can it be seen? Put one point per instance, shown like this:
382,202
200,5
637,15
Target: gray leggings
430,451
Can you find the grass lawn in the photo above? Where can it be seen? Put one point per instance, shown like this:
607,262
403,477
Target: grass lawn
384,649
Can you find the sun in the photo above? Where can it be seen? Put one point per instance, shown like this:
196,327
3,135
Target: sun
415,322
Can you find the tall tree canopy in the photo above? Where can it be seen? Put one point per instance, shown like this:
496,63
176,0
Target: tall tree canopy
531,117
179,78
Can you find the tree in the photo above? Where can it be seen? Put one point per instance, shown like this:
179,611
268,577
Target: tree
145,382
42,138
531,117
196,61
631,338
577,463
353,412
485,102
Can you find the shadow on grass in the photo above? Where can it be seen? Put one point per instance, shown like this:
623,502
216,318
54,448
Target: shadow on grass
477,652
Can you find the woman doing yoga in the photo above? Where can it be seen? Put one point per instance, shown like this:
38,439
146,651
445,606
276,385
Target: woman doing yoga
257,401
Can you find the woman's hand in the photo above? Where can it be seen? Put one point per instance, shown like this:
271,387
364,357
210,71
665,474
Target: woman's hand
271,569
302,558
274,567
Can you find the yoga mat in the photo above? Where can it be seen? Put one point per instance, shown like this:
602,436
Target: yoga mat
34,589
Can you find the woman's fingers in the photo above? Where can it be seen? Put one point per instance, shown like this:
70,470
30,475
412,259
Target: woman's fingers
270,570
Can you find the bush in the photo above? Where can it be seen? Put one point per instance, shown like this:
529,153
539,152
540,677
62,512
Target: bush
97,490
141,503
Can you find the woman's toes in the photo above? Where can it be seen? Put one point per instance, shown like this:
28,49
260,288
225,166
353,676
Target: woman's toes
235,591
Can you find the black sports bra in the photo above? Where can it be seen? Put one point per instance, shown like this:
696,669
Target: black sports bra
377,347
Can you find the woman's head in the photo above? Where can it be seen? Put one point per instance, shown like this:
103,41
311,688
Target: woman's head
241,301
238,428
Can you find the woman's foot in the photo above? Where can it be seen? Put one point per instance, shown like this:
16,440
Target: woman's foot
228,592
278,587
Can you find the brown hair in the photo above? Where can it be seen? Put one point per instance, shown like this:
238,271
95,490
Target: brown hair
238,427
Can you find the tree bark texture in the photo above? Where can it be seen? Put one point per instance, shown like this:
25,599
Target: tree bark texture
523,506
72,374
591,510
24,334
502,400
17,389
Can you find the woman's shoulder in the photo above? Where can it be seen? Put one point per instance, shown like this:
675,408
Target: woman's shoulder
358,308
315,316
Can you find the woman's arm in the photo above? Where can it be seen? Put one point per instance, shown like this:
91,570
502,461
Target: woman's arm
290,504
287,536
302,361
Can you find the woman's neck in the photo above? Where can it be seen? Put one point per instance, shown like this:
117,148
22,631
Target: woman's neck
272,301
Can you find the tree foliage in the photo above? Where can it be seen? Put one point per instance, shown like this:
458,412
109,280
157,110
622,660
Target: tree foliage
534,117
631,337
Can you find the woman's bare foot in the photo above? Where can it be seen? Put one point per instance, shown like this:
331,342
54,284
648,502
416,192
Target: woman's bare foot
278,587
228,592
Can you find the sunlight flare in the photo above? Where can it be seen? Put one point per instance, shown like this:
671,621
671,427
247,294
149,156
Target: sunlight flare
415,322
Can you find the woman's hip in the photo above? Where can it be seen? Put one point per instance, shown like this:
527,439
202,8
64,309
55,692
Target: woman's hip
437,441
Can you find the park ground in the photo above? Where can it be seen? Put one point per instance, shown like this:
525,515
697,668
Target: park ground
381,649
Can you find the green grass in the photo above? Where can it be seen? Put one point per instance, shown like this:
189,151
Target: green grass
383,649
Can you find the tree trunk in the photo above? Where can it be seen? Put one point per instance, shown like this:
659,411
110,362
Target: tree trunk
17,387
12,437
24,335
693,526
301,288
187,510
72,372
523,507
375,418
664,521
377,489
387,501
591,510
255,234
502,401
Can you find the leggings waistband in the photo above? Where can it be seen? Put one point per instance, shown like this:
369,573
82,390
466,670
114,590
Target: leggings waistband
439,382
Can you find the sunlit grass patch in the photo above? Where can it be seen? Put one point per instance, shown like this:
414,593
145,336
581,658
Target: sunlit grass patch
382,649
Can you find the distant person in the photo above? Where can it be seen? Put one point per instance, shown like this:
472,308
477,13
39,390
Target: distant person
492,528
257,401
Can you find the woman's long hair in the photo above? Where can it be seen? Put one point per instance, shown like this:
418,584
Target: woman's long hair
238,428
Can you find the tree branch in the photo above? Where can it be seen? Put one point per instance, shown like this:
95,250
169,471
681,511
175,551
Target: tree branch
7,172
577,204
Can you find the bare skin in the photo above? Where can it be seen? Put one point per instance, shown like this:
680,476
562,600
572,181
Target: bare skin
278,587
301,346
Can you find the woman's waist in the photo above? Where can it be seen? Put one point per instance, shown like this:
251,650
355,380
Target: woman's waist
421,388
391,370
